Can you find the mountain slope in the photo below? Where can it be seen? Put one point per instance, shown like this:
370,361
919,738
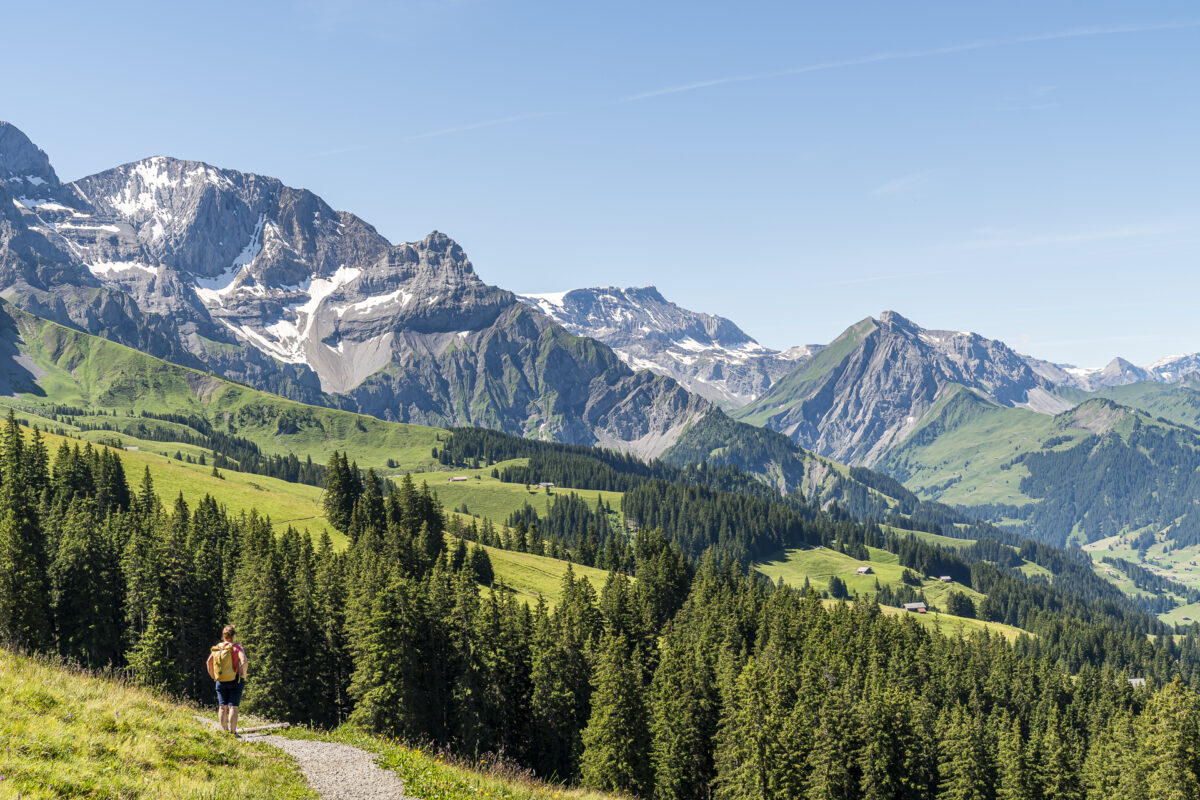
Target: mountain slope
238,274
1095,471
55,371
708,354
867,390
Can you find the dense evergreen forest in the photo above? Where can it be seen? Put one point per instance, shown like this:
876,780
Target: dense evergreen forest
687,678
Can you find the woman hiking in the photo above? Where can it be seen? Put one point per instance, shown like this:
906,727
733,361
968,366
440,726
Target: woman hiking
227,666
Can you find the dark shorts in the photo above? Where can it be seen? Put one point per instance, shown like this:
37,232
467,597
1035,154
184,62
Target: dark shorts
229,693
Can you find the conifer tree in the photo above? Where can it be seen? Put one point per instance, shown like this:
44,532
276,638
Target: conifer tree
330,601
263,615
85,585
965,766
480,564
557,742
683,720
616,740
154,660
24,594
831,766
385,639
1013,779
1169,735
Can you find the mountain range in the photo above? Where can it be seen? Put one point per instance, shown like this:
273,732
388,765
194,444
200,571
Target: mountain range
240,276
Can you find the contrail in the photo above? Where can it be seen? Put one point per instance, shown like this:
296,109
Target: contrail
485,124
981,44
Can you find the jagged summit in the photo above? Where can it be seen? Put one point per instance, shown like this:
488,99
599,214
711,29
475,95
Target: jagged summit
23,165
869,388
264,283
708,354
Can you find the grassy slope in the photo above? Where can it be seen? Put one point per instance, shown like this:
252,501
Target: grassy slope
67,734
530,576
1181,565
299,505
963,451
1177,402
818,565
89,372
796,386
932,538
488,497
286,503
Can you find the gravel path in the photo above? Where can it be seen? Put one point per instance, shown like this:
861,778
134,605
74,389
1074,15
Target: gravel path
338,771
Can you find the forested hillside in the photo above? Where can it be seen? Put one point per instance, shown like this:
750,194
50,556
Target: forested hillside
692,679
1095,471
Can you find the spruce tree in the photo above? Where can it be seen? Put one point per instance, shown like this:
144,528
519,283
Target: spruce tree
24,594
386,633
683,720
85,585
965,766
616,740
1169,738
154,659
262,613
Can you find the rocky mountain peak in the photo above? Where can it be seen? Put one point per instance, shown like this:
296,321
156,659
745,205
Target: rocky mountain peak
893,319
24,167
708,354
889,374
436,259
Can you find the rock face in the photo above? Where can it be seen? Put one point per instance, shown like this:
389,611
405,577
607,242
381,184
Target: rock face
266,284
708,354
1117,372
868,389
1175,368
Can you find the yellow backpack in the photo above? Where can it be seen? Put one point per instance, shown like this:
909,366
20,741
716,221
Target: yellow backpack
222,663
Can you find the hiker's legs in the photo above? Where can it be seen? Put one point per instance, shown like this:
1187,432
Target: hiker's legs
223,717
233,719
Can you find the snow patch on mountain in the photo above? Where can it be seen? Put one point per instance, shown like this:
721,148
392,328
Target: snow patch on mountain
109,269
707,354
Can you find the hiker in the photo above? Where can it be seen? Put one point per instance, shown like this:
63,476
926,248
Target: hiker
227,666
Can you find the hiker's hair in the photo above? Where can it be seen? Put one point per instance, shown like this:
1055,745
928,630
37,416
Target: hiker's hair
227,633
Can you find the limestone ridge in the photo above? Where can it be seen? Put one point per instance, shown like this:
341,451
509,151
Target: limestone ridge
267,284
868,389
709,355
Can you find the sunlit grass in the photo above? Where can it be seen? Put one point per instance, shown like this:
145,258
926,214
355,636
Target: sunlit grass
68,734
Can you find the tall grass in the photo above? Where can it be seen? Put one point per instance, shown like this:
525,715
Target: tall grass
65,733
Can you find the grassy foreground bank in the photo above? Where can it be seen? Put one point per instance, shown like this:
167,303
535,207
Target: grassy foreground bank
69,734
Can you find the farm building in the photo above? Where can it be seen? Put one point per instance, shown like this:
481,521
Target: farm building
916,608
458,478
545,485
865,571
946,579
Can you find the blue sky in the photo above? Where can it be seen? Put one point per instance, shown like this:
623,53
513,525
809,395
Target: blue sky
1027,170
